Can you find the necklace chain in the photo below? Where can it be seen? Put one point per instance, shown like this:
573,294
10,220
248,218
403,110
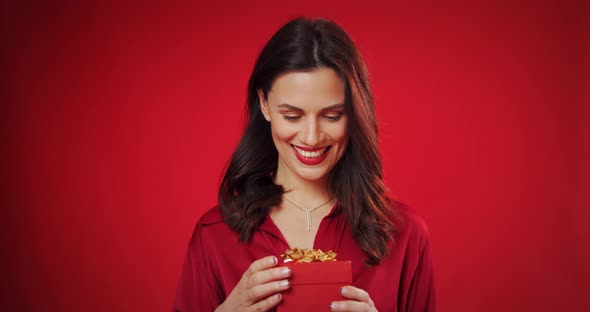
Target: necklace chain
307,211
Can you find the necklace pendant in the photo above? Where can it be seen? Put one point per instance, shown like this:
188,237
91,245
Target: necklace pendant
307,211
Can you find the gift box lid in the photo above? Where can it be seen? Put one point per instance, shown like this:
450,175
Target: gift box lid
328,272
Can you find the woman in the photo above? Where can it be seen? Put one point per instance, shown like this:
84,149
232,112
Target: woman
307,174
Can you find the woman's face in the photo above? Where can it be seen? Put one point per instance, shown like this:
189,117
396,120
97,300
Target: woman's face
306,113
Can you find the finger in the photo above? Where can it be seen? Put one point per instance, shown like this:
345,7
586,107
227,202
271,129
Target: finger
262,291
268,275
353,293
350,305
266,304
262,264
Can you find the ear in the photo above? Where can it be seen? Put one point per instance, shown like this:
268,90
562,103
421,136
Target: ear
263,105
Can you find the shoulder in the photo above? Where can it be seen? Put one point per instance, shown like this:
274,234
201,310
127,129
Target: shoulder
211,216
411,225
210,226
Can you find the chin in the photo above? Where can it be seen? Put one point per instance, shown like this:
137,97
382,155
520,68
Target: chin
313,178
313,174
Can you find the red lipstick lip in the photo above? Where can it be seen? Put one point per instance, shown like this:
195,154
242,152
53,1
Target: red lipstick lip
311,161
308,149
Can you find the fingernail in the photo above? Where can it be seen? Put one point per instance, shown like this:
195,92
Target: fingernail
284,284
273,260
285,271
343,291
277,296
334,306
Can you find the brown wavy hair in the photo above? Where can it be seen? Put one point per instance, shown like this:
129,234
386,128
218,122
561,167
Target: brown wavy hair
248,192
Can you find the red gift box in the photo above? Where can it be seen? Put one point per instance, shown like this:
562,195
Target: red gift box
315,285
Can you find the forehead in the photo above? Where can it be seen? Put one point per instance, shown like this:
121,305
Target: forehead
320,87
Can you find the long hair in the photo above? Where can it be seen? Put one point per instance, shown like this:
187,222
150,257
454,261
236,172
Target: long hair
247,191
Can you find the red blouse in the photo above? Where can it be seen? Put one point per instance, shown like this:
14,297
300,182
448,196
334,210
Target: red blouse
215,261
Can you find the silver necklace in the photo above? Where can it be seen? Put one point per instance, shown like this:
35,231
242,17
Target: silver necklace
307,211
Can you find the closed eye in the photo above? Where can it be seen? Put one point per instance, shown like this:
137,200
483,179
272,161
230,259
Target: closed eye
329,117
333,117
291,117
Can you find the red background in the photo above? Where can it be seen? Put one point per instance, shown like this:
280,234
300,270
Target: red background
118,121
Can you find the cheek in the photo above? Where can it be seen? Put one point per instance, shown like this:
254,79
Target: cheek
342,135
339,133
282,132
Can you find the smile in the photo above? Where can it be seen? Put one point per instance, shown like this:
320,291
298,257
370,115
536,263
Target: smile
310,153
310,156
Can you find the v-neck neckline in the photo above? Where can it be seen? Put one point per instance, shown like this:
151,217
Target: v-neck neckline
269,226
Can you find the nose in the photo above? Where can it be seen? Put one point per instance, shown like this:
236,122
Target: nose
311,133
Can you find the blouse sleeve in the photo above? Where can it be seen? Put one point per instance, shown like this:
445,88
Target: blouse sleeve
421,294
197,290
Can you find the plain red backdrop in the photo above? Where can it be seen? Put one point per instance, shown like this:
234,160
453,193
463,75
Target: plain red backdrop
118,121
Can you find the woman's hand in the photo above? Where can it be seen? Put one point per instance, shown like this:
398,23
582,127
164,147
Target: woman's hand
259,288
359,300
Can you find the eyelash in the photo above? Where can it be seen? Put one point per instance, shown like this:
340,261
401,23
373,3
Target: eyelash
328,117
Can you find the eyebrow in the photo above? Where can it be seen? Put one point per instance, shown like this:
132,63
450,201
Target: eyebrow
291,107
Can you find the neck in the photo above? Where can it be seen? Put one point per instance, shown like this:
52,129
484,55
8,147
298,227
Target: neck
304,193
